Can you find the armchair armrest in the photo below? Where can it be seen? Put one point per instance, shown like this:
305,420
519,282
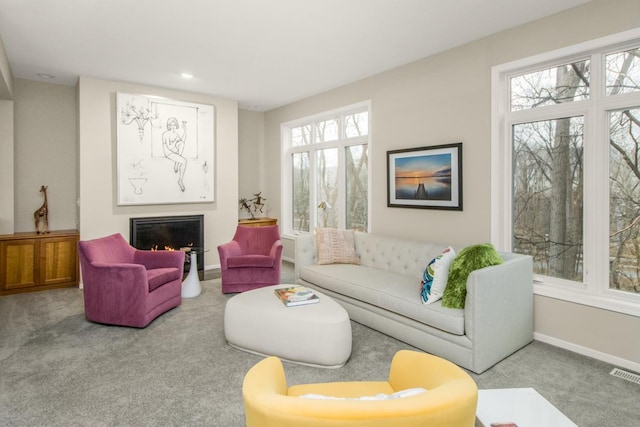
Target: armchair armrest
121,279
227,250
411,369
159,259
276,250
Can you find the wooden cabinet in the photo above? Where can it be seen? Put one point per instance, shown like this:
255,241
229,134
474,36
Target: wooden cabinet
258,222
33,262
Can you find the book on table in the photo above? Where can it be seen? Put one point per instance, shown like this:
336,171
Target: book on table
292,296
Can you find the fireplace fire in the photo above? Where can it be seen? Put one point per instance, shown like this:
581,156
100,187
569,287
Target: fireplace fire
169,233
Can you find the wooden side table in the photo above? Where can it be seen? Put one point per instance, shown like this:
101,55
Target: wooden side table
33,262
258,222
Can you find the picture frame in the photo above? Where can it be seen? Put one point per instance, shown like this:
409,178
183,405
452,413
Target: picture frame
425,177
165,151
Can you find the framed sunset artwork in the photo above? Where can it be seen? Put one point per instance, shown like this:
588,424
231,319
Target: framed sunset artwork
425,177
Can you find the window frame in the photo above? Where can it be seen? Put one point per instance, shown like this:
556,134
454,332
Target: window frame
594,290
341,144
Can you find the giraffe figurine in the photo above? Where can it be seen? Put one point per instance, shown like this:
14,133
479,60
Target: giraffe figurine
41,215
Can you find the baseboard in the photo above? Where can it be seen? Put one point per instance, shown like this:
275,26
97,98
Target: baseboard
585,351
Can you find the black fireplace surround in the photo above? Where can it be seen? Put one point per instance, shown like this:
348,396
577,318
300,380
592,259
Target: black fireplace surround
169,233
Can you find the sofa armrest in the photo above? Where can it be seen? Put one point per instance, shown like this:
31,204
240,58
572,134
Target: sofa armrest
306,252
499,309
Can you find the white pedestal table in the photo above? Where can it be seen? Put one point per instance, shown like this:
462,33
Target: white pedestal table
191,287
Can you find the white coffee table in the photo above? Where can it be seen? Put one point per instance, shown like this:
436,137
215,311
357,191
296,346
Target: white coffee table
317,334
524,407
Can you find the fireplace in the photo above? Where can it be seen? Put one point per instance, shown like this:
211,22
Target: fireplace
169,233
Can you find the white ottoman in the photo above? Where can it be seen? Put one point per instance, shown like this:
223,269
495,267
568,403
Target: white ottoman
315,334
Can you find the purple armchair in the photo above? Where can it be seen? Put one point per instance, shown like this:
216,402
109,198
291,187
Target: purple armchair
252,259
127,286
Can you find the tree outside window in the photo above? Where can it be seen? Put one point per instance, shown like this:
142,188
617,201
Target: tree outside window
328,181
557,119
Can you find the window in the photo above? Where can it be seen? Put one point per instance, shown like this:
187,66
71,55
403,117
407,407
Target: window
547,195
566,176
325,176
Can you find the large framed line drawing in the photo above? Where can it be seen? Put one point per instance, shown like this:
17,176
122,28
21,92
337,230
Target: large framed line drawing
165,150
425,177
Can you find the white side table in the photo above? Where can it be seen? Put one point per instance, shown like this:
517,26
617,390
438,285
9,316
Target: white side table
191,287
524,407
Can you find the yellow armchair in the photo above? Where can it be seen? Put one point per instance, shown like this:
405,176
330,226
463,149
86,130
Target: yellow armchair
450,399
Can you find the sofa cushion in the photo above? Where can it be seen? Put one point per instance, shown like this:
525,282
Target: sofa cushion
384,289
395,254
336,246
468,259
160,276
434,279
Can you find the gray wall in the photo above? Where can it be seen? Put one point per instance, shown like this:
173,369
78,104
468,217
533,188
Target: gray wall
6,144
250,153
447,98
45,153
6,167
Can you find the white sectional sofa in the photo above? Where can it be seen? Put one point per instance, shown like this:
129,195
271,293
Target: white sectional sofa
383,293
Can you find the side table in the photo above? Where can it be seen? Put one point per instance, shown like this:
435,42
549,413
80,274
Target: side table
191,287
258,222
523,407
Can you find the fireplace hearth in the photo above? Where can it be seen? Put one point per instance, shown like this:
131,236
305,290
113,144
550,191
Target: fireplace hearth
169,233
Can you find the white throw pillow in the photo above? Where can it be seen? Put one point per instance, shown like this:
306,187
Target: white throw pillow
380,396
434,279
336,246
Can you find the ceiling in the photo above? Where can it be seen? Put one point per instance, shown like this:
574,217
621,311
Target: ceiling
262,53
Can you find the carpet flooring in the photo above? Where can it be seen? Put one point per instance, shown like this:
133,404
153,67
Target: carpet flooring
58,369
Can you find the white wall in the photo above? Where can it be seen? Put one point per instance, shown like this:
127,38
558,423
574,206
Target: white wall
447,98
99,213
45,153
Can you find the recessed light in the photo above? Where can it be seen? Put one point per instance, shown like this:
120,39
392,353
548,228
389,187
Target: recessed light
186,75
45,76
